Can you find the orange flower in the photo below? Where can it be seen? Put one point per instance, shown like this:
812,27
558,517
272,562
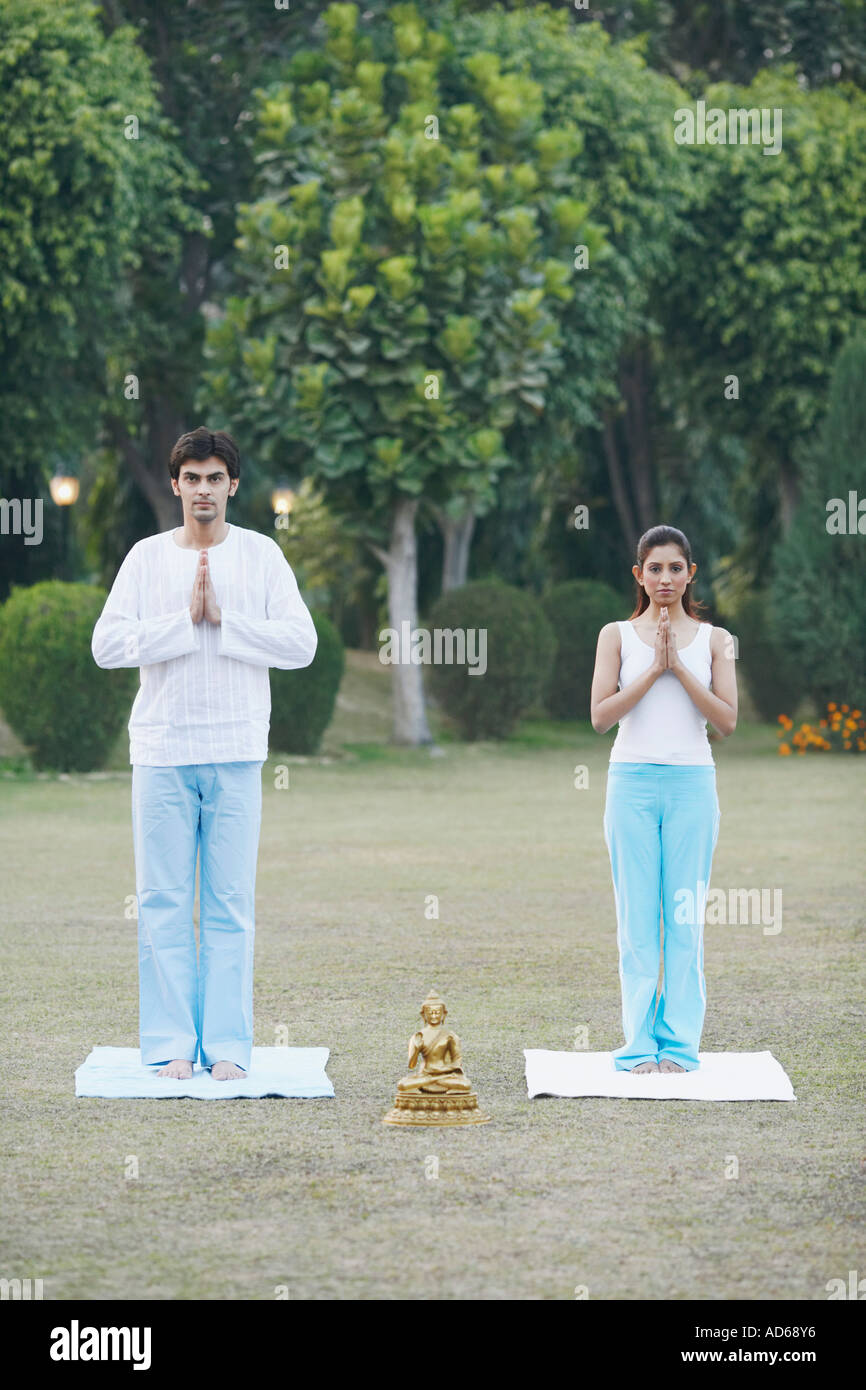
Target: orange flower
844,709
831,705
783,748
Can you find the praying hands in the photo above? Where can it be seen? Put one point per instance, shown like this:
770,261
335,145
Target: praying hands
204,604
666,655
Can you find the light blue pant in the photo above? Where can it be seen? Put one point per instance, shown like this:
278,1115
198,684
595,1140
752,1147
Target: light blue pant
661,824
200,1010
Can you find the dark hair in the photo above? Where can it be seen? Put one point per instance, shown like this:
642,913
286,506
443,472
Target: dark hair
665,535
202,444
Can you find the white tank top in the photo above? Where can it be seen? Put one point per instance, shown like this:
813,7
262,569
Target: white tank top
665,726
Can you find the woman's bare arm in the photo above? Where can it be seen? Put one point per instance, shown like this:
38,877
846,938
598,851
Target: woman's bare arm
719,706
607,704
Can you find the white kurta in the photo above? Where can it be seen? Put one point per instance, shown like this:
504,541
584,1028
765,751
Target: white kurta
205,694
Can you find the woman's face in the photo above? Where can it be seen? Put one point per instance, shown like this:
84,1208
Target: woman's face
665,574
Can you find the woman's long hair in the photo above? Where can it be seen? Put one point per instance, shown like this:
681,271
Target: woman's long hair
665,535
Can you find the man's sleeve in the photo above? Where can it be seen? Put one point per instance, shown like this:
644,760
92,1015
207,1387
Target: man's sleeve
287,637
122,638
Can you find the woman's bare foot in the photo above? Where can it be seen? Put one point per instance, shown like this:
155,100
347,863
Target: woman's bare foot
667,1065
226,1071
180,1069
646,1066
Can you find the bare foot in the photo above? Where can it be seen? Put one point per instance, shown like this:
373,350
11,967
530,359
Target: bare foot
645,1066
666,1065
226,1071
180,1069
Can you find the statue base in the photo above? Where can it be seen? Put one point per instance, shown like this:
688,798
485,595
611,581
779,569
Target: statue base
428,1108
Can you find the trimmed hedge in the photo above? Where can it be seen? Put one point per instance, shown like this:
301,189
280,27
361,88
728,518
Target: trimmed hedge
302,701
577,610
520,652
61,705
776,681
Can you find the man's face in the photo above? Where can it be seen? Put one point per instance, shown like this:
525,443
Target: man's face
204,488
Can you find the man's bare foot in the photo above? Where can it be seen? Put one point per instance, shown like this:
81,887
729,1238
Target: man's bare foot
226,1071
180,1069
667,1065
645,1066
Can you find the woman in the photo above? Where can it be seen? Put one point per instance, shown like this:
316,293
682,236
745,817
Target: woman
661,819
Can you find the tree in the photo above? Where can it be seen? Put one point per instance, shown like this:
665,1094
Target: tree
781,238
817,595
205,58
401,283
733,40
80,193
640,188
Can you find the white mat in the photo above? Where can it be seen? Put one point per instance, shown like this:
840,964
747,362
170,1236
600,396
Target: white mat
721,1076
274,1071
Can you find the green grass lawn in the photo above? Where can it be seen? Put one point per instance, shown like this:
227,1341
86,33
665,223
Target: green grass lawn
629,1198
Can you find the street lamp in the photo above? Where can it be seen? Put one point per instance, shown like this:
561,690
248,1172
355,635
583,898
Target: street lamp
64,491
282,502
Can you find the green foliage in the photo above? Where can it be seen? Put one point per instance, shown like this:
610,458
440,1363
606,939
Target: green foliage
577,609
775,680
302,701
783,236
520,652
638,187
61,705
77,197
332,564
734,39
428,208
818,592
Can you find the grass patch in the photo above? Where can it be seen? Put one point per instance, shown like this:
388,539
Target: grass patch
234,1198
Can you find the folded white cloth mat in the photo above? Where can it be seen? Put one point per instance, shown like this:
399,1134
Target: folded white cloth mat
274,1071
721,1076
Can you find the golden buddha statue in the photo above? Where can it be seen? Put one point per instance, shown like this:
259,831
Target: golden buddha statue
439,1092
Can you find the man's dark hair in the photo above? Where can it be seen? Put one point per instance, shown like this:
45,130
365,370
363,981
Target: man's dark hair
201,444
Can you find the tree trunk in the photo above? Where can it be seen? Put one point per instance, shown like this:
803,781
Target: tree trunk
789,493
617,484
401,567
153,481
635,386
457,535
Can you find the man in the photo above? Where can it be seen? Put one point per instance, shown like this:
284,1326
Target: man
203,611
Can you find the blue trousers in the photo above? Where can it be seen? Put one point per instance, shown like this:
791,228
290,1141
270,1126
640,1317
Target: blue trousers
661,824
201,1009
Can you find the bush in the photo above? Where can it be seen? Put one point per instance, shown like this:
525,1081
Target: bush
817,608
775,681
519,653
577,610
63,707
302,701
